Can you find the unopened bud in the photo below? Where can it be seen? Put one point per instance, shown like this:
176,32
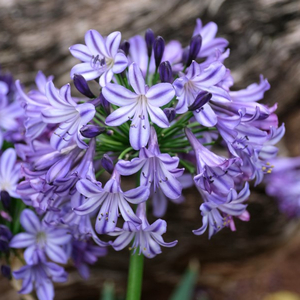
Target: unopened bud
5,199
6,271
107,163
195,46
82,86
125,46
159,48
201,99
170,113
165,72
149,38
91,131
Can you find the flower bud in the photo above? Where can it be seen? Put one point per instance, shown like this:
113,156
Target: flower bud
149,38
195,46
82,86
159,48
104,103
91,131
170,113
5,199
125,46
165,72
107,163
201,99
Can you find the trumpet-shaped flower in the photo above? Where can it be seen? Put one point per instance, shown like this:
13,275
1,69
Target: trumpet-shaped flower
112,200
147,238
68,114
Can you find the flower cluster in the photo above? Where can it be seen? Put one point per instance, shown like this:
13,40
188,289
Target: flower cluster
162,111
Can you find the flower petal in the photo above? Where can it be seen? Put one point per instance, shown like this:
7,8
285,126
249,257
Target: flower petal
136,79
81,52
30,221
160,94
121,62
137,195
22,240
121,115
112,43
158,117
95,43
118,95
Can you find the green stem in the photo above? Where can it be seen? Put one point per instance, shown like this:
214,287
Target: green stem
135,276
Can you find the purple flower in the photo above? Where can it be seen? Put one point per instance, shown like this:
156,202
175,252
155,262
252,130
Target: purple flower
99,57
138,105
112,200
213,170
9,172
5,237
39,238
146,237
217,211
39,276
85,253
158,171
35,102
195,81
68,114
209,41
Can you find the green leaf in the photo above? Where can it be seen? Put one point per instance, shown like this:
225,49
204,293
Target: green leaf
188,282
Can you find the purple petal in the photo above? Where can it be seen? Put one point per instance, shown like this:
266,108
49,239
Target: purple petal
137,195
212,75
88,188
30,221
139,132
81,52
56,253
136,79
160,203
22,240
95,43
159,227
59,236
112,43
127,168
158,117
170,163
7,163
45,290
86,70
120,64
160,94
121,115
161,242
122,241
54,116
119,95
106,77
127,212
206,116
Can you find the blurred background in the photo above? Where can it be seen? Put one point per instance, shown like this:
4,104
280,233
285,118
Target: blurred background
262,259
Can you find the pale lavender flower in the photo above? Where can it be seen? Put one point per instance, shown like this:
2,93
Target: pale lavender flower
213,171
112,200
217,211
158,171
39,276
9,172
197,80
68,114
100,57
209,41
147,238
138,105
40,238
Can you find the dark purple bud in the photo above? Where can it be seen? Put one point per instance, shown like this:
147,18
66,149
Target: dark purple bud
165,72
107,163
125,46
149,38
201,99
4,247
170,113
185,54
5,233
5,199
105,104
82,86
159,48
195,46
6,271
91,131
